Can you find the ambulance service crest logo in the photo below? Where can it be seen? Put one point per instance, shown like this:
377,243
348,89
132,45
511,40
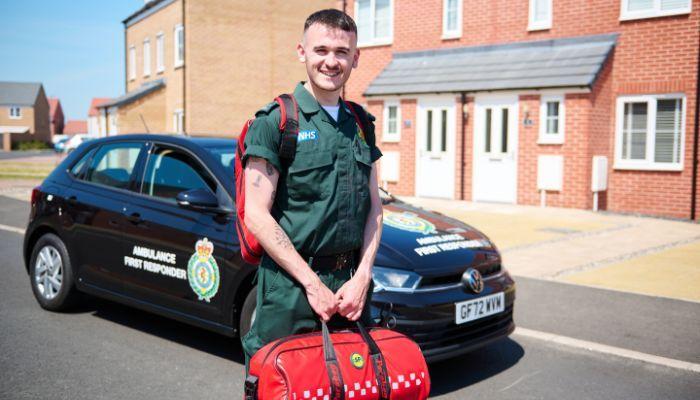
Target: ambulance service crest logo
408,221
202,271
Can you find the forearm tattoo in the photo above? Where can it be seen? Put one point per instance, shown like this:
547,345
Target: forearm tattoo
272,196
269,168
257,181
281,239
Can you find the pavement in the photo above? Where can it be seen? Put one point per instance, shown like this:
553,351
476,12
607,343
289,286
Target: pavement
645,255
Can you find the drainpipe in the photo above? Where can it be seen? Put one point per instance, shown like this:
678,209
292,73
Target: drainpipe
694,185
184,71
345,5
464,122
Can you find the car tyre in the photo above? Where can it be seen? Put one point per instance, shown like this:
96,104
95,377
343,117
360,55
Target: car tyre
51,274
248,312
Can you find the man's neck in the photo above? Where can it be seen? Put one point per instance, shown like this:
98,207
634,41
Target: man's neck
324,97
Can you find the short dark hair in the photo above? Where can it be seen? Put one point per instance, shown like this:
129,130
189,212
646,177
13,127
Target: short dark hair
332,18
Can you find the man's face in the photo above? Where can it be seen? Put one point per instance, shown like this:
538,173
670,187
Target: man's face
329,54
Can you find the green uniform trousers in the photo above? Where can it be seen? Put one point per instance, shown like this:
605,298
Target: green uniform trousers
282,307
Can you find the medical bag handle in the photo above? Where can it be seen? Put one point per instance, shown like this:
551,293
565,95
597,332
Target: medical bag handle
332,366
378,363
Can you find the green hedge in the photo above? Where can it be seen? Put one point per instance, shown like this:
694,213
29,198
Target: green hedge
31,145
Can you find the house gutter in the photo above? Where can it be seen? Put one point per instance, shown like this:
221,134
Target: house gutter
694,184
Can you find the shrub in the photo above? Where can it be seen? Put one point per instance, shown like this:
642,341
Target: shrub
30,145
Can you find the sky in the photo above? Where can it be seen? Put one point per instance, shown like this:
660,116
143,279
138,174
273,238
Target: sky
75,48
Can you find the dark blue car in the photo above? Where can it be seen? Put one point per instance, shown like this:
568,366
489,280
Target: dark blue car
149,221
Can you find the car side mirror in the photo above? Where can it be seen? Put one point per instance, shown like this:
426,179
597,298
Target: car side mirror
197,198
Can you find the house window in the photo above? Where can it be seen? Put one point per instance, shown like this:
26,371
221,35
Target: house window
540,15
392,122
160,60
650,132
132,63
451,19
638,9
374,22
551,120
147,57
179,46
15,112
179,121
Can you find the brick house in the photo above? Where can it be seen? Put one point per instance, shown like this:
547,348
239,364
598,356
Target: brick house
535,101
56,117
24,113
204,67
97,120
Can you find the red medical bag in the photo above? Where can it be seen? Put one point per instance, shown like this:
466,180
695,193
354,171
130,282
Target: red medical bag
346,365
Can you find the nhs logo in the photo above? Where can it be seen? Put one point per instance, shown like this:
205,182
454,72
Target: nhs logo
307,135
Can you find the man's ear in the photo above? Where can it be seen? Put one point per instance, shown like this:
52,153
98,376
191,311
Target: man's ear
301,52
356,58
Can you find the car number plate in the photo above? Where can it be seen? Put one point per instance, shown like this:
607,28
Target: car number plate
471,310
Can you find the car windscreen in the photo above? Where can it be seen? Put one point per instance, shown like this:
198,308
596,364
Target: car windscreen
226,155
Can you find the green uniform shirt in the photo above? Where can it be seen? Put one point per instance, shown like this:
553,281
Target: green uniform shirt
322,198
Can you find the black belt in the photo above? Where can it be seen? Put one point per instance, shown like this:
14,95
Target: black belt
334,261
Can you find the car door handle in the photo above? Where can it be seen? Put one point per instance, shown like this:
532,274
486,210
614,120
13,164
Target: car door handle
134,218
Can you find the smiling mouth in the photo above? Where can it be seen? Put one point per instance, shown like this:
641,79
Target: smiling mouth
330,74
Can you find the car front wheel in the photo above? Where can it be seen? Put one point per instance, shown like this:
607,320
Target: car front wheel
51,274
248,312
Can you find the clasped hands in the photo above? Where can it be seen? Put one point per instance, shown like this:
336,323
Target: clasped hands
348,301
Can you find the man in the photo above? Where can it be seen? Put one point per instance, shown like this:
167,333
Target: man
319,218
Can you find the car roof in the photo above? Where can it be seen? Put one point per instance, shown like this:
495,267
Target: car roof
202,141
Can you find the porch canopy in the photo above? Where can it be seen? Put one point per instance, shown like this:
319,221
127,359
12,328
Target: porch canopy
568,62
134,95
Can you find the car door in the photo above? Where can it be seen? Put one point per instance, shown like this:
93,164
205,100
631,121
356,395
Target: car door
94,213
178,253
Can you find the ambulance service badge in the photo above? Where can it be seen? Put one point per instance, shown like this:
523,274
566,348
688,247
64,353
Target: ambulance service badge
202,271
408,221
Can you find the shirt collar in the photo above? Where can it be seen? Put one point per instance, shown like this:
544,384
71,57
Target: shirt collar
309,105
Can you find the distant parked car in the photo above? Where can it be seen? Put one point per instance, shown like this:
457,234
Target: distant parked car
74,142
60,144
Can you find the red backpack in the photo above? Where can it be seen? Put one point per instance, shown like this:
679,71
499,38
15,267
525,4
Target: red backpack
251,250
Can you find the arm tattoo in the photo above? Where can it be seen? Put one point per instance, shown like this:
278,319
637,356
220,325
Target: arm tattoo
257,181
281,239
269,168
272,196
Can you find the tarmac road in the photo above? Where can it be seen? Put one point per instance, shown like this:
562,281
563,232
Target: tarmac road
103,350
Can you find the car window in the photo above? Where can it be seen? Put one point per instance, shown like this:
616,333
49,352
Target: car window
113,164
80,167
171,171
226,155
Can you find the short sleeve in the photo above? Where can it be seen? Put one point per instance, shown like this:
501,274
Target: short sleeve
375,154
262,140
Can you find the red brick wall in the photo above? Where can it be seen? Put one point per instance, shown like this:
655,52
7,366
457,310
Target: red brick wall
654,55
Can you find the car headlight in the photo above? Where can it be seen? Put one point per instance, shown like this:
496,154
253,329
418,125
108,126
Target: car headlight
394,280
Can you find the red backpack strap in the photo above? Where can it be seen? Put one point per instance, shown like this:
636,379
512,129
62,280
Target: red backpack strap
289,126
363,120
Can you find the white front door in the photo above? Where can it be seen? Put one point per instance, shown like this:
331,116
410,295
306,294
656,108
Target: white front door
435,168
495,149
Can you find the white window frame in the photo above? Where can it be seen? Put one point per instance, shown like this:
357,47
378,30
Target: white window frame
396,136
548,138
179,62
533,25
160,50
652,13
179,120
375,41
457,33
147,57
648,163
132,62
15,112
